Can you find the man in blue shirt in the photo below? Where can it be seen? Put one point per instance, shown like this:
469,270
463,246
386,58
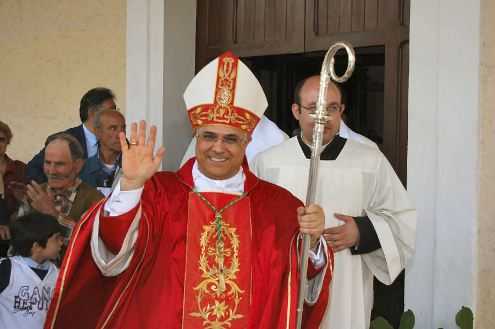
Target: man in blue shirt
100,170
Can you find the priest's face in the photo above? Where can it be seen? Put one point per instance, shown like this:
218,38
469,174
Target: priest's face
302,111
220,150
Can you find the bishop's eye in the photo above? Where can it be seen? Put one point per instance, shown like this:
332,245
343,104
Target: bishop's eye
208,137
231,139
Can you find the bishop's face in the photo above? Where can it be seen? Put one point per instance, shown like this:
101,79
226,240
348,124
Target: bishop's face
220,150
302,112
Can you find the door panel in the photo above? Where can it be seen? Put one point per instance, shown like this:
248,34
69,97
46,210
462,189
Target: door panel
249,28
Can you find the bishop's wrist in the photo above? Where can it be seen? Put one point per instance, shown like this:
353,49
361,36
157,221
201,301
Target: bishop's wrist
127,184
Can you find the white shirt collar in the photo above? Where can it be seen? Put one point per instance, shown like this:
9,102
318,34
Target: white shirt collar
31,263
233,185
91,141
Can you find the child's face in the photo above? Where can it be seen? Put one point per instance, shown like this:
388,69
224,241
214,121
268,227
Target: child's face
53,246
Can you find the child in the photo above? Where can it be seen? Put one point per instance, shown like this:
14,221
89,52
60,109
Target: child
27,279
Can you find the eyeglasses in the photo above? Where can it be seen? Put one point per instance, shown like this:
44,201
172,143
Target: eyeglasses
330,109
229,139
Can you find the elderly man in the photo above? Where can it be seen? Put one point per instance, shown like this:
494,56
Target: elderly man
370,221
101,169
210,246
92,101
64,196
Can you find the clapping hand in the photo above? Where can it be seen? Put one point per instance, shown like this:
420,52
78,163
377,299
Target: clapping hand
139,162
41,200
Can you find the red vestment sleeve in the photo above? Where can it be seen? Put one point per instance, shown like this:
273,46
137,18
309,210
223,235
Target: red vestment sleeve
312,271
113,229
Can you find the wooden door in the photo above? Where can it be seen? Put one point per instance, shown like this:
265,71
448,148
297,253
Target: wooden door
248,28
371,23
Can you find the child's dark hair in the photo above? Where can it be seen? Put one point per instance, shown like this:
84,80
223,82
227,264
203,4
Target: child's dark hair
31,228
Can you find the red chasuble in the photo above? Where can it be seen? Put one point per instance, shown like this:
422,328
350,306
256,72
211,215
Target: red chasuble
200,261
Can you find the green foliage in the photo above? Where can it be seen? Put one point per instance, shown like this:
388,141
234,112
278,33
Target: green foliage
380,323
407,320
464,319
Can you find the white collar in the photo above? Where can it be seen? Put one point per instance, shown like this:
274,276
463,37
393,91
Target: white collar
31,263
233,185
323,146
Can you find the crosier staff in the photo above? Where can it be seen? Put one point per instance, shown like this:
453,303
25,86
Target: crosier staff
320,118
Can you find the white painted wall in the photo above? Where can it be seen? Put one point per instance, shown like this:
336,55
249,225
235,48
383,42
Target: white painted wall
180,51
145,29
161,37
443,153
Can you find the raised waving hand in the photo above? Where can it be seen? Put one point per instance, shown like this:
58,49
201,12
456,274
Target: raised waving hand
139,161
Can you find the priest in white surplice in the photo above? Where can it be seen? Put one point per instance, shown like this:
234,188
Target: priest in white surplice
370,220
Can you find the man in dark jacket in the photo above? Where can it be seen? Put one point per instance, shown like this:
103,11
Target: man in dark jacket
93,101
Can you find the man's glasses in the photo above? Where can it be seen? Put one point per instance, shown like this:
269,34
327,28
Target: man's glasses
330,109
229,139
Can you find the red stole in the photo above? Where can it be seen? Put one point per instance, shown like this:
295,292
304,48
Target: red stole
217,278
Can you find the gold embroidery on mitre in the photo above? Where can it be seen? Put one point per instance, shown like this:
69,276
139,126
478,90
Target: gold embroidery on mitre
205,114
223,110
218,295
225,91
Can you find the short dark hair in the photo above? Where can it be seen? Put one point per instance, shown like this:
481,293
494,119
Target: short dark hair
92,99
31,228
75,148
300,84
